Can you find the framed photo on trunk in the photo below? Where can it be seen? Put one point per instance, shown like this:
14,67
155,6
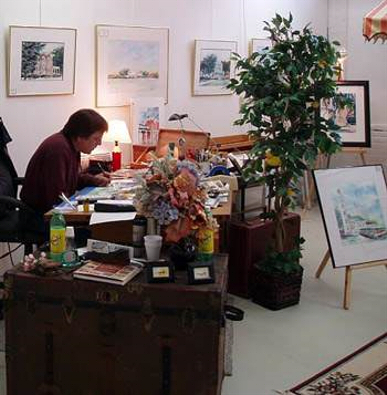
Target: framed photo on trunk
41,60
353,202
350,111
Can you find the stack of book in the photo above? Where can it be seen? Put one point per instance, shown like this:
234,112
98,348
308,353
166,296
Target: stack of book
109,263
113,273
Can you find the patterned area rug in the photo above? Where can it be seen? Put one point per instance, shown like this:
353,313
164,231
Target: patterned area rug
362,373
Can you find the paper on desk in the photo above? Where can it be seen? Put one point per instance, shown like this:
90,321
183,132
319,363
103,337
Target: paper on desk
101,217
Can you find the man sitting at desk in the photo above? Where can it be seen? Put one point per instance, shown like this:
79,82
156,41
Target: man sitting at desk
55,166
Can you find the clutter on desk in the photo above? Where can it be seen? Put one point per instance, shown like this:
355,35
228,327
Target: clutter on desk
95,193
217,191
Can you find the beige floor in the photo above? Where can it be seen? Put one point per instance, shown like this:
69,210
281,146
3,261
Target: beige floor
275,350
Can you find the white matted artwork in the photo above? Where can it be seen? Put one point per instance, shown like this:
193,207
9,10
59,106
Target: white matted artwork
131,62
258,44
213,67
353,203
41,60
147,116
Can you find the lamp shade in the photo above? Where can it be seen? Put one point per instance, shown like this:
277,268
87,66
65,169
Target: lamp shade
118,131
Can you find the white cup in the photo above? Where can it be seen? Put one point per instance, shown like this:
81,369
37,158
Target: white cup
153,247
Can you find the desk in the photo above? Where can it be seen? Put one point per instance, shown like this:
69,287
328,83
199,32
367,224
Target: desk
86,337
121,232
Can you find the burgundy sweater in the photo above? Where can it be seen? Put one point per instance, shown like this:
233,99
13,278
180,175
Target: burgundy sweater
54,168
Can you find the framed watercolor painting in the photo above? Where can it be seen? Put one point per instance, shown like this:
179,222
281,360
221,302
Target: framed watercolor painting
147,116
131,62
213,67
353,202
41,60
258,44
350,111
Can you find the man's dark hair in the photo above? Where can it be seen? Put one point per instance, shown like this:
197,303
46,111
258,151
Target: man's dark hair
84,123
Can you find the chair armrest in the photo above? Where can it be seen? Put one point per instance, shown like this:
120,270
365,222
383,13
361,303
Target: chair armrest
12,203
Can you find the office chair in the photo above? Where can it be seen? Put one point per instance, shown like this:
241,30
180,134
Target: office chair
14,213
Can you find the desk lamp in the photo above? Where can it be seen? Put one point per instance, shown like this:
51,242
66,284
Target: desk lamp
117,133
181,141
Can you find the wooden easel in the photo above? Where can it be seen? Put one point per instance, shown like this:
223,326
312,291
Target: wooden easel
348,275
348,269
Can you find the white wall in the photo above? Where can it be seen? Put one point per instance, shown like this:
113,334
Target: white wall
30,119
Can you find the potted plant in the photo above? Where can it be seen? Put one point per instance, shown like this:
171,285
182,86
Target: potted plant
281,89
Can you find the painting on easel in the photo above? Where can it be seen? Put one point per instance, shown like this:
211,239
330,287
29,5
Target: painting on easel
349,112
353,202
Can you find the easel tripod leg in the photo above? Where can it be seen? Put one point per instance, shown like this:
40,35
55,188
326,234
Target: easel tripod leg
322,264
347,288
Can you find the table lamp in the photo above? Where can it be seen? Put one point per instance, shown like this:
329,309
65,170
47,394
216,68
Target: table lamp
117,133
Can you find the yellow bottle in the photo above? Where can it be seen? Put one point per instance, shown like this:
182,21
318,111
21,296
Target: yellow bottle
206,244
57,236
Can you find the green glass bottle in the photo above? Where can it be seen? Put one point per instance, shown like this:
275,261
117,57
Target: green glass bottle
57,236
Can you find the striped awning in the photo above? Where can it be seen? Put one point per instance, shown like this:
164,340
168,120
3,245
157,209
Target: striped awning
375,23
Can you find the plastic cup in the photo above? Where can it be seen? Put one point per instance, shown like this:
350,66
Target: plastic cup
153,245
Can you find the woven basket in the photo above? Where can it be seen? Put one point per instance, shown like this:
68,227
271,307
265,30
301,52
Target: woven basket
276,291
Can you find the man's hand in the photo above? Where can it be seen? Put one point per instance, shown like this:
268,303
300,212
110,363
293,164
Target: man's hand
102,179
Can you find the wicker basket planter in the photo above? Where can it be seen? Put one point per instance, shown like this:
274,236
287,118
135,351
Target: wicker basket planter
276,291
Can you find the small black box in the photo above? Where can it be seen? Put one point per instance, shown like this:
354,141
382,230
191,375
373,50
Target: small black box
201,272
161,271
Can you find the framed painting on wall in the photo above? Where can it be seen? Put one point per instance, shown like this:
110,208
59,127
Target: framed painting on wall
349,110
258,44
213,67
147,116
353,203
131,62
41,60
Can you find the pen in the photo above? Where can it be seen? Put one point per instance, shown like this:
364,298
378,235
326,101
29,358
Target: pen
65,199
101,168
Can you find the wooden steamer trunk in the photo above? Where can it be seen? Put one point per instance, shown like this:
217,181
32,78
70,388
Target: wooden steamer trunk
77,337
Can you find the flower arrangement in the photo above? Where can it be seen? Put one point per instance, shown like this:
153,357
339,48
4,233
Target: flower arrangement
170,192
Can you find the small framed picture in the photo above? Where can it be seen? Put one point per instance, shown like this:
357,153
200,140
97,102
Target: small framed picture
353,202
258,44
201,272
161,271
213,67
41,60
147,116
349,109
